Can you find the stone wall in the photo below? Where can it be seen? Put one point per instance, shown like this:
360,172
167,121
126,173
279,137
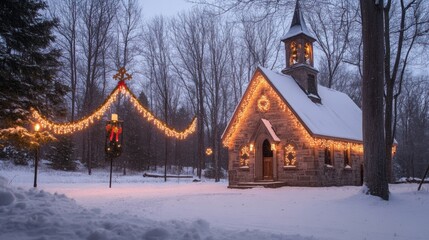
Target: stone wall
310,169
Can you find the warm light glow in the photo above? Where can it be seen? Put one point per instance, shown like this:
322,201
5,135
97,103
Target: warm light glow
244,156
293,54
209,151
290,155
308,53
258,86
251,147
263,104
114,117
71,127
393,150
37,127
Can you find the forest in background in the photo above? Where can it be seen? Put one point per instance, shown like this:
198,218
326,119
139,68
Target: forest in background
199,62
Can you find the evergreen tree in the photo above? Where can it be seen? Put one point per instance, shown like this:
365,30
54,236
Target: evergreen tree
28,65
61,154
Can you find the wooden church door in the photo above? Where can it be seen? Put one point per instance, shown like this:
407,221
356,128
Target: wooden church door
267,163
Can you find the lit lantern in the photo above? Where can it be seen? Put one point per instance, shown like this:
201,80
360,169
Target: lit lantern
209,151
273,146
251,147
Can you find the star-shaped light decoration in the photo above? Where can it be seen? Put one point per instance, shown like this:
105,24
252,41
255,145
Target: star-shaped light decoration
122,76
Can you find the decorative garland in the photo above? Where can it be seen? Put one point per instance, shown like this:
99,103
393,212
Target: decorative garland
121,88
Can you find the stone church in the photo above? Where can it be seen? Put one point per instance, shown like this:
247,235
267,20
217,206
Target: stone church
288,130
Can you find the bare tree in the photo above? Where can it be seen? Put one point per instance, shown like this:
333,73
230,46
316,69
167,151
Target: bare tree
215,76
261,41
260,8
413,125
157,55
128,30
372,98
403,26
96,24
189,34
68,14
332,32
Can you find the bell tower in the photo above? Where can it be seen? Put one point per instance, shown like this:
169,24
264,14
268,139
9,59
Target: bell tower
299,55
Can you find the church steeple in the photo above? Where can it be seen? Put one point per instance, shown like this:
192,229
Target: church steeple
299,54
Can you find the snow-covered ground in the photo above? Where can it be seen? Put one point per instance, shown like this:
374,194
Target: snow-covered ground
74,205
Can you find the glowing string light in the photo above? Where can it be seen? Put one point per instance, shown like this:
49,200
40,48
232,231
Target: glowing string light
71,127
260,84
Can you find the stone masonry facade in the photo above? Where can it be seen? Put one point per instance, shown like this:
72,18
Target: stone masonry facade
310,168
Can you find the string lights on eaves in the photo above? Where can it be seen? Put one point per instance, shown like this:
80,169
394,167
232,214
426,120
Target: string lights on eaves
121,88
260,85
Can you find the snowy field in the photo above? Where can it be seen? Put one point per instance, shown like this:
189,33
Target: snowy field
77,206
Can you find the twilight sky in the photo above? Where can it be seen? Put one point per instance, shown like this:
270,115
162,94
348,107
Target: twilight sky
151,8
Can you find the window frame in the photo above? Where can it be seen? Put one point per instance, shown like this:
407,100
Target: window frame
347,153
328,154
294,162
244,162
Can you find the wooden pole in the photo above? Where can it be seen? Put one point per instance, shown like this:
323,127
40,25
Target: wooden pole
111,167
36,162
423,179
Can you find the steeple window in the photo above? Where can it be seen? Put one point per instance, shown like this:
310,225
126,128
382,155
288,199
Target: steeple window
308,53
293,53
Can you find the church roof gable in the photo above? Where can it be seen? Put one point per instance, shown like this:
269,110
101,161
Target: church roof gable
337,117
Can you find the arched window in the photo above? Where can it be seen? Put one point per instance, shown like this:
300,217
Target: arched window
328,156
293,53
290,155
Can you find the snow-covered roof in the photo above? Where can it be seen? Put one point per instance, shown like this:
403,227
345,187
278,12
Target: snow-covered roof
336,117
298,25
270,129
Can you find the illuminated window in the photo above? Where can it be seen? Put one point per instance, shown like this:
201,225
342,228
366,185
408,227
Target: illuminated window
308,53
290,155
293,53
328,156
244,156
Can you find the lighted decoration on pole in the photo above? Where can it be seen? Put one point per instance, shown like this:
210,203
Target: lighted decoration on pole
121,88
122,76
114,141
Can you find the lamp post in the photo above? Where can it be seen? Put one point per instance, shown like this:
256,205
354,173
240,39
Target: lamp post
114,140
36,157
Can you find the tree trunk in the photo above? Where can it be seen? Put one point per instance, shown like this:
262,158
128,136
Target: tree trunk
372,98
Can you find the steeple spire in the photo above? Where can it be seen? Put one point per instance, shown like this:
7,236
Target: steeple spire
299,55
297,16
298,25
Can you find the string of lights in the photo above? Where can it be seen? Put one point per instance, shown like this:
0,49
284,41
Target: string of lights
168,131
71,127
261,85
